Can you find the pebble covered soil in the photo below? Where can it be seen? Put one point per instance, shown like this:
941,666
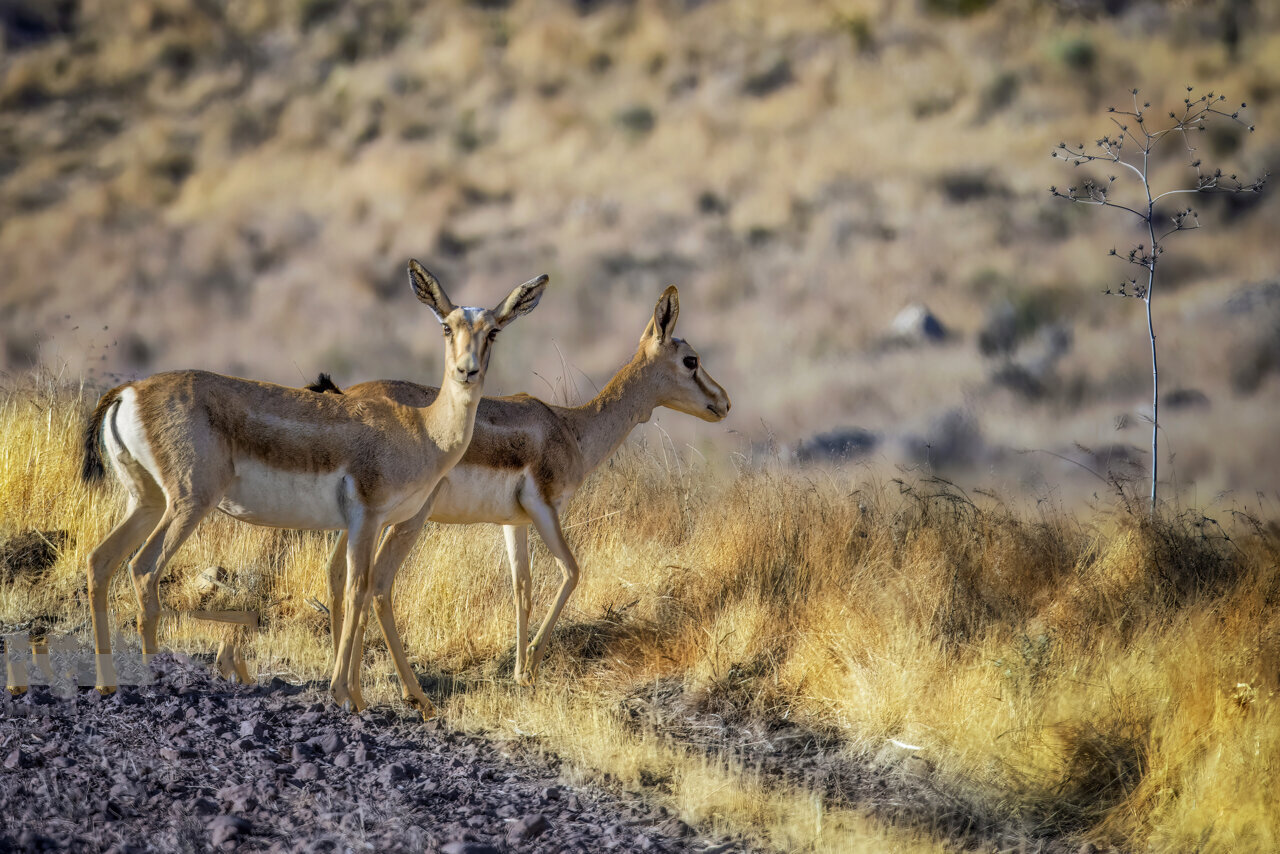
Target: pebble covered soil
191,763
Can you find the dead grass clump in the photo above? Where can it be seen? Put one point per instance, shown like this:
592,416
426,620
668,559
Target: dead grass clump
1145,570
989,569
649,490
783,540
1191,557
1100,765
30,553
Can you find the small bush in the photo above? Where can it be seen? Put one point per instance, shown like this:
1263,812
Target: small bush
637,121
858,29
770,80
1253,361
26,23
313,12
962,187
959,8
1000,92
1077,54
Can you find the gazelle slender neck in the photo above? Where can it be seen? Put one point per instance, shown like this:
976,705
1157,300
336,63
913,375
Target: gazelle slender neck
602,424
450,419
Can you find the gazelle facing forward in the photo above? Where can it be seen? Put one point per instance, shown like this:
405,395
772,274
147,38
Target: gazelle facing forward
526,460
185,442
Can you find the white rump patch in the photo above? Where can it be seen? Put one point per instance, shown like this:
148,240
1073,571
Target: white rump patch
126,440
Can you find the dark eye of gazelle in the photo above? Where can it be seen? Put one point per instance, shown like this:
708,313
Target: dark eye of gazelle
493,333
448,333
691,362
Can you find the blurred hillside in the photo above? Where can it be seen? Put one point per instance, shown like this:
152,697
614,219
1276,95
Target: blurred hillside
237,184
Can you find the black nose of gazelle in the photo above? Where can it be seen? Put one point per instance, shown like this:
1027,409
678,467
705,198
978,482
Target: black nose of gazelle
467,374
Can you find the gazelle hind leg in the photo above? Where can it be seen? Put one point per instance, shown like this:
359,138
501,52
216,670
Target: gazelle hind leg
547,523
104,560
517,539
177,524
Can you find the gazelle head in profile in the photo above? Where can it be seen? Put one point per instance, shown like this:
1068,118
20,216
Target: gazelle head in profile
674,368
470,332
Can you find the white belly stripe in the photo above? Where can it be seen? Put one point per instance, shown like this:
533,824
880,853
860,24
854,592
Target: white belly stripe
285,499
478,494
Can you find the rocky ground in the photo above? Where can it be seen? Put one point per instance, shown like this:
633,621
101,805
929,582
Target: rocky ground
191,763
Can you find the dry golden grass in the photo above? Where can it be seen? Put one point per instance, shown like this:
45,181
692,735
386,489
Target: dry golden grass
1104,678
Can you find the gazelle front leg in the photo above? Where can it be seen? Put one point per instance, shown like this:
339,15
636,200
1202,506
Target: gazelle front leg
391,554
361,540
517,537
547,523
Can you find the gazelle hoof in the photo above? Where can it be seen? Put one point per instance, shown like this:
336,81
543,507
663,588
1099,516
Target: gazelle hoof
422,704
346,702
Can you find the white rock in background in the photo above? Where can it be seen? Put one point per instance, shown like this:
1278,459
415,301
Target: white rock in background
211,580
916,324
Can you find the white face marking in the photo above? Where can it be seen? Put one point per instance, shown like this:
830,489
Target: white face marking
286,499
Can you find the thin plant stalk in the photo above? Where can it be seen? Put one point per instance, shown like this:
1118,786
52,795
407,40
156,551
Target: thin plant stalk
1090,192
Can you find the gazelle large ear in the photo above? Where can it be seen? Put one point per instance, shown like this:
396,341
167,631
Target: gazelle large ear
520,301
663,323
427,288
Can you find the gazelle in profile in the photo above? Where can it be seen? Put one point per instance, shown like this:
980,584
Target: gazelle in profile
526,460
186,442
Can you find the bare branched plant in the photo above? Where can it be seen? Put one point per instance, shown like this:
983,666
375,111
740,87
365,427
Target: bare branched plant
1131,146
